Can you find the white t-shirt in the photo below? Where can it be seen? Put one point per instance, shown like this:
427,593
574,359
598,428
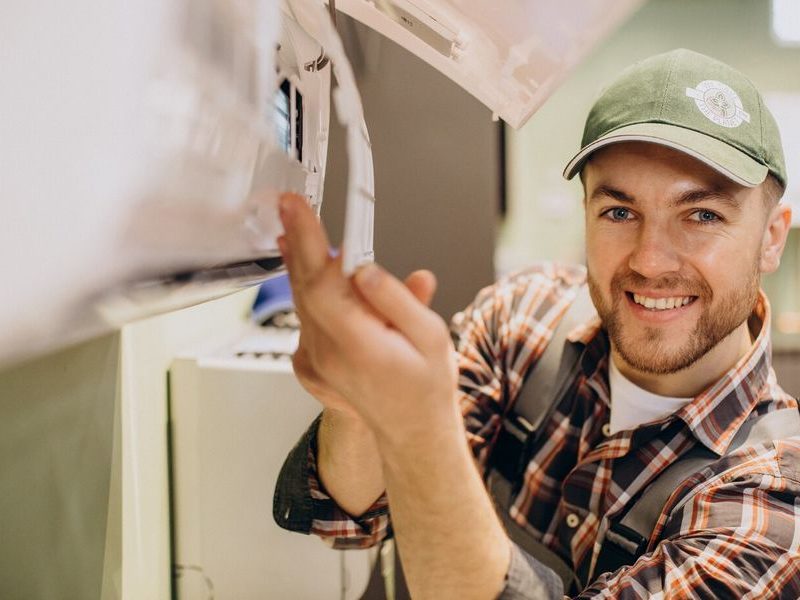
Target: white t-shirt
632,406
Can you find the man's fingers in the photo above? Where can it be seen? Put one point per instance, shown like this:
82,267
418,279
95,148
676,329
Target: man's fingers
304,245
423,285
400,307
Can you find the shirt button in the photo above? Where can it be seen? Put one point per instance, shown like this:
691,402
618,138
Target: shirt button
573,520
606,429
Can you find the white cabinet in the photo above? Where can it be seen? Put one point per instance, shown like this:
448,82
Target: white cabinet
233,420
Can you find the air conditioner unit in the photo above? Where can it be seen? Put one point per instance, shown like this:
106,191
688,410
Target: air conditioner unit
144,144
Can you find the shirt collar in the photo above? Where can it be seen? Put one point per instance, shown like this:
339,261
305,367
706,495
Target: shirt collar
715,415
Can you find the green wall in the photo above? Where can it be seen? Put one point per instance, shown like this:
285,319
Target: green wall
57,421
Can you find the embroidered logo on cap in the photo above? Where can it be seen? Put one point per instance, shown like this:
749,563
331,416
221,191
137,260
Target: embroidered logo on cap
719,103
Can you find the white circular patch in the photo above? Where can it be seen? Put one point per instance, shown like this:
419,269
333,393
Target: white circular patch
719,103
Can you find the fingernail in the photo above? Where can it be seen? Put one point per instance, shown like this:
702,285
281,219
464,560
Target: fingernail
368,276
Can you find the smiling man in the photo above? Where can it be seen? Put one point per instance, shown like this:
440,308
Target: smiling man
675,256
671,387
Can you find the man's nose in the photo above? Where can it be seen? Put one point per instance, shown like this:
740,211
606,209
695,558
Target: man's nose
655,252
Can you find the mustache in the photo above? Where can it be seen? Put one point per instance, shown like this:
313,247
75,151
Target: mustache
686,286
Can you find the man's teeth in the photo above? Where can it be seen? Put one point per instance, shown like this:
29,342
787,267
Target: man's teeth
662,303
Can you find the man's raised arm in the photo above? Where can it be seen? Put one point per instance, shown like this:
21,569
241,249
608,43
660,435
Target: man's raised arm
392,359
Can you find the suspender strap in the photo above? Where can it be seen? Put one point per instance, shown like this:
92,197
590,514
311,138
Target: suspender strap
543,387
627,538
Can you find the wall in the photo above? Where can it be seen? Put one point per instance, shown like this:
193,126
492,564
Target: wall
437,169
83,460
59,522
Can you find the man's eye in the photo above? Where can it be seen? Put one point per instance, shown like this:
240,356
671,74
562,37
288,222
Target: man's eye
618,214
705,216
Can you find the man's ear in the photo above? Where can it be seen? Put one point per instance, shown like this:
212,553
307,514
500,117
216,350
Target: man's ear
777,228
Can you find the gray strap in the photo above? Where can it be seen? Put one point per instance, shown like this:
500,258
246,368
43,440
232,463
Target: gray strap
776,425
536,397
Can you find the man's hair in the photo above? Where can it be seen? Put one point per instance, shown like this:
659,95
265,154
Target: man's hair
773,191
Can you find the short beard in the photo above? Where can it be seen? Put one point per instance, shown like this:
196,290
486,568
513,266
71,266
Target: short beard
651,354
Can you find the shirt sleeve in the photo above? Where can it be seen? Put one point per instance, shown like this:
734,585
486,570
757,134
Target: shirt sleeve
301,503
480,381
528,579
739,540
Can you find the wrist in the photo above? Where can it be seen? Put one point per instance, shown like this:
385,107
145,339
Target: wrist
432,438
348,465
349,421
341,434
434,488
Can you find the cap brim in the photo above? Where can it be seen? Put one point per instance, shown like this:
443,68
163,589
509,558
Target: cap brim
718,155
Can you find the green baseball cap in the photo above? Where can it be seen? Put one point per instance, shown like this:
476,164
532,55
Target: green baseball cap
695,104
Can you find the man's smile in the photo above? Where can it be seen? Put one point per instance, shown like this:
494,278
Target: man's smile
654,302
657,307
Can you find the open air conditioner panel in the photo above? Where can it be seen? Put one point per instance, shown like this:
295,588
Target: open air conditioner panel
510,55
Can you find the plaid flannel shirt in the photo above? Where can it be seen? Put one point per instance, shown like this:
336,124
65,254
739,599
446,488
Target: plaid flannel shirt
738,535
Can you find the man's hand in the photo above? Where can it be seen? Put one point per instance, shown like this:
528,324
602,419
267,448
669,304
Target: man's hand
420,283
348,462
372,348
369,346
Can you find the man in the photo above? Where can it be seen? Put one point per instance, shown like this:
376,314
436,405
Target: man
682,170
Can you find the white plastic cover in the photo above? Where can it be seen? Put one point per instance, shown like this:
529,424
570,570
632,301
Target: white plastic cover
509,54
139,146
359,218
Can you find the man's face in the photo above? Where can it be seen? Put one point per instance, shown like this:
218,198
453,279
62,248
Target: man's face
673,252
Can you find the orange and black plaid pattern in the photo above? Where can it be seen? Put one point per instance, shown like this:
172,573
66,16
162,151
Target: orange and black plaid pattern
732,530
